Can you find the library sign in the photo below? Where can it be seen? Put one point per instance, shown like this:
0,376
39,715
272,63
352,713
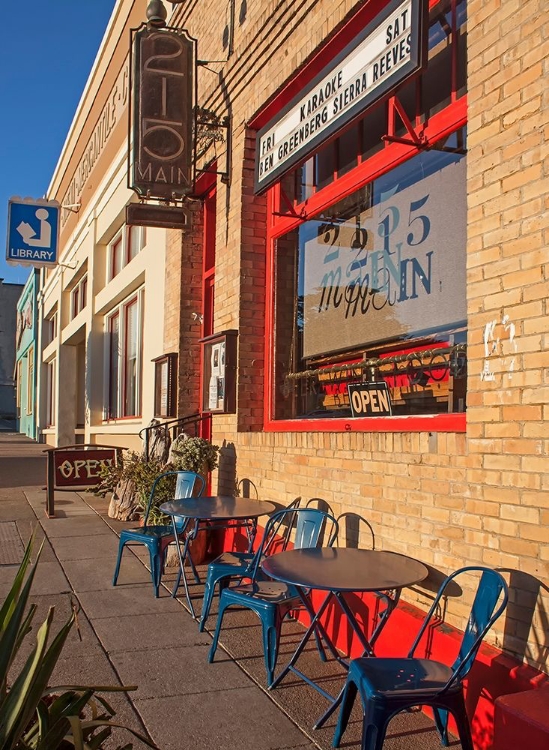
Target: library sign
381,56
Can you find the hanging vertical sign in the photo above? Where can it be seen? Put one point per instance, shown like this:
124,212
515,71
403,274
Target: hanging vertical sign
161,145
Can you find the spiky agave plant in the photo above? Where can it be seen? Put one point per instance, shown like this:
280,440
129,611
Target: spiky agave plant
34,716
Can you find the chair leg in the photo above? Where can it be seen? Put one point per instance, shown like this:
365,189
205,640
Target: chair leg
374,725
347,701
209,590
213,648
441,722
118,561
462,720
156,569
271,640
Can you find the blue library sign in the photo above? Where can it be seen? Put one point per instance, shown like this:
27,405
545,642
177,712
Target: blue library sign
33,232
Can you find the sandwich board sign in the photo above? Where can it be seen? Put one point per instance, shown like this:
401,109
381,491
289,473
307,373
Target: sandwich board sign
33,232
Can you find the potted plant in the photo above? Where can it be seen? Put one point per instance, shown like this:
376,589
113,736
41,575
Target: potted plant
193,454
130,483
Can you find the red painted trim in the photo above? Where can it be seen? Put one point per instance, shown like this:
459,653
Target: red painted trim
439,126
273,199
205,182
412,423
208,185
320,59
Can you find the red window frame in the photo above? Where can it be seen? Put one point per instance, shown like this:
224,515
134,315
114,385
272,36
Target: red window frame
116,250
206,187
437,127
79,296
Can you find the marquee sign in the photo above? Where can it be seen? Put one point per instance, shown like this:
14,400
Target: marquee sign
161,145
385,53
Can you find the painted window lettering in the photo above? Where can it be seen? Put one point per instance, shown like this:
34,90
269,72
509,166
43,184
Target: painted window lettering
375,276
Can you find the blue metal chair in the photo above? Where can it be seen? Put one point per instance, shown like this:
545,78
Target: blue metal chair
235,564
390,685
158,538
271,600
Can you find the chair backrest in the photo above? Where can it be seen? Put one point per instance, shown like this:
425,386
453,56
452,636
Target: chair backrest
187,484
320,503
281,531
311,527
489,603
352,524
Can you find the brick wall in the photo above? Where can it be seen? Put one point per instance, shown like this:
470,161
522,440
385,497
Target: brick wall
508,284
448,499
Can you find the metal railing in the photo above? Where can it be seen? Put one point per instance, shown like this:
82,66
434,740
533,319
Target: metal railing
189,424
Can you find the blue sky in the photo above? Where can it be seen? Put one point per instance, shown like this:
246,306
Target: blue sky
47,51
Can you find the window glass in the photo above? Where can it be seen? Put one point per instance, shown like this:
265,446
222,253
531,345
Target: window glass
134,242
124,248
114,361
130,363
374,288
79,296
116,257
124,351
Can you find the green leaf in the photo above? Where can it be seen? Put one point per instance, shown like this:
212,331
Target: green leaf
12,634
20,704
112,724
29,686
77,734
95,742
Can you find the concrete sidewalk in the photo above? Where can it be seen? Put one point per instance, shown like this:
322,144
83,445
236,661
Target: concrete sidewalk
131,638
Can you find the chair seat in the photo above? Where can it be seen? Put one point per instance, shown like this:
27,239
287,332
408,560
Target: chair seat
233,559
386,677
155,532
268,592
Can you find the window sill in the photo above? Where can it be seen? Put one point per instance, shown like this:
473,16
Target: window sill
413,423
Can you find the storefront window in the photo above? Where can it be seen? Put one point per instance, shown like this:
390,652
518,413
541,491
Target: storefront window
374,289
124,329
369,252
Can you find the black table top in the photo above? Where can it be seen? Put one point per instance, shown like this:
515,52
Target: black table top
218,507
345,569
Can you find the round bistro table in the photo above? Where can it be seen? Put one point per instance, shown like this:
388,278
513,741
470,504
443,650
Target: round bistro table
338,571
221,511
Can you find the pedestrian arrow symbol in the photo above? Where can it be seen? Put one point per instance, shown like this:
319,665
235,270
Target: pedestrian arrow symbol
33,228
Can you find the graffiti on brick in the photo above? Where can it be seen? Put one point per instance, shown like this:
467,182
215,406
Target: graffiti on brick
500,349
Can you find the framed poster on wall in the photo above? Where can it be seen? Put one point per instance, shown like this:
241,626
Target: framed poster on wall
219,372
